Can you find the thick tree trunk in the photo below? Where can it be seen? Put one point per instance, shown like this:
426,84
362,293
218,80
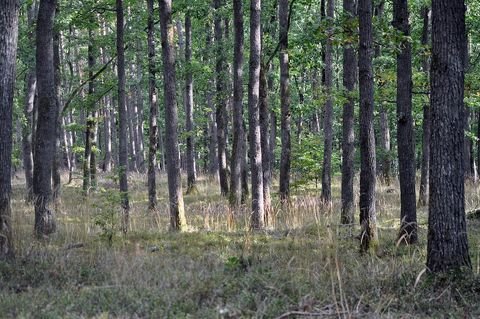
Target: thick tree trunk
238,134
191,170
369,236
348,133
405,143
47,111
57,158
122,119
152,98
177,211
328,119
284,101
8,52
423,194
257,216
447,247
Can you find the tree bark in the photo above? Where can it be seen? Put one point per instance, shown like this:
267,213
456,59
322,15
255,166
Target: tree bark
177,211
405,143
284,101
221,103
238,133
265,144
257,216
57,158
122,119
8,53
89,128
140,148
328,115
369,236
423,194
46,124
447,247
348,133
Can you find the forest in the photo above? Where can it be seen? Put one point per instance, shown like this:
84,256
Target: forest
239,159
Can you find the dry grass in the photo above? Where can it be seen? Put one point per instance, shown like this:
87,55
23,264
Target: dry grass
307,264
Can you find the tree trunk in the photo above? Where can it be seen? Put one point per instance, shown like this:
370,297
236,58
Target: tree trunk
284,101
152,98
132,132
257,216
89,129
122,119
56,178
405,143
47,111
423,194
369,236
238,134
447,247
191,171
221,103
348,133
328,115
8,52
265,144
140,148
177,211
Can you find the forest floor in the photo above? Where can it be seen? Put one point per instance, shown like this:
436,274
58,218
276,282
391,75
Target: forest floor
306,265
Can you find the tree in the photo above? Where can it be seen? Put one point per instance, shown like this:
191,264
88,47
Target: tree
447,247
406,147
348,137
238,133
46,123
122,119
177,210
283,12
257,216
368,237
8,52
328,113
191,171
152,98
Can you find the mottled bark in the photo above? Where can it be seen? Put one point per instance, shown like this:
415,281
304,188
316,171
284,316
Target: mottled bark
257,216
284,101
447,247
177,211
8,52
122,119
238,133
265,144
405,134
368,236
47,112
348,122
89,128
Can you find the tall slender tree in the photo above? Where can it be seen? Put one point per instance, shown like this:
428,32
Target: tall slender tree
283,13
8,52
257,217
348,135
447,247
368,236
177,210
122,119
406,146
46,123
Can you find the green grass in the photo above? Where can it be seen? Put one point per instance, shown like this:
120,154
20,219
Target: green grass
307,263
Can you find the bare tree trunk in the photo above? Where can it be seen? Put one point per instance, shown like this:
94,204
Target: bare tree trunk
56,178
140,148
191,170
284,101
89,129
348,132
46,124
8,52
238,134
265,144
152,98
132,132
447,247
328,115
122,118
406,146
221,103
423,195
369,236
177,212
257,217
